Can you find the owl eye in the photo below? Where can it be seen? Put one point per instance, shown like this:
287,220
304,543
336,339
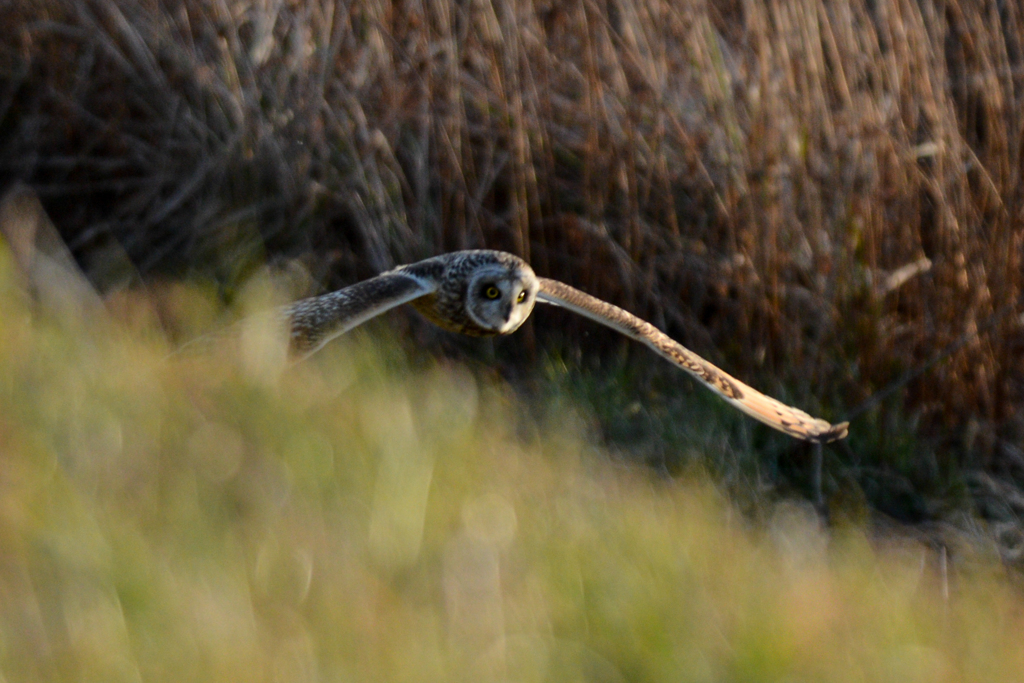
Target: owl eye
522,297
492,292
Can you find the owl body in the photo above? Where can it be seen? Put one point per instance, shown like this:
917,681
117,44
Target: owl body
482,293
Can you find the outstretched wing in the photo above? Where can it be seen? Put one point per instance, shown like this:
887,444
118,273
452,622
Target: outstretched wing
316,320
773,413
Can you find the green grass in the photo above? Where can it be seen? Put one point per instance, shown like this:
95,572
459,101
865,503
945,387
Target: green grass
364,517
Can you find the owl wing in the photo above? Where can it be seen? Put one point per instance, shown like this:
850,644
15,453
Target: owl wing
316,320
773,413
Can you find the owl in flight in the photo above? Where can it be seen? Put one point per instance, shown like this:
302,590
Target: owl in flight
485,293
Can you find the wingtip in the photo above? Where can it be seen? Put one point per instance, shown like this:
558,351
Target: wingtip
834,433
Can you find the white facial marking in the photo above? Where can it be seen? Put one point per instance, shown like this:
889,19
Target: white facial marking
502,313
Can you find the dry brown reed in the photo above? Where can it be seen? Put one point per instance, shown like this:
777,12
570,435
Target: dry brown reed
751,175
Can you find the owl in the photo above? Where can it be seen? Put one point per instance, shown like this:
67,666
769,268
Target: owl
485,293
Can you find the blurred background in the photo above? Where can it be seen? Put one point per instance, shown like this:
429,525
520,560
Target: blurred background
825,199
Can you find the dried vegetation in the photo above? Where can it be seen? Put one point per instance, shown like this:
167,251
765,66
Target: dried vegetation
829,194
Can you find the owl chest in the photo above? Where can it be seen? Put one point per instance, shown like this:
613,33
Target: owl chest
449,313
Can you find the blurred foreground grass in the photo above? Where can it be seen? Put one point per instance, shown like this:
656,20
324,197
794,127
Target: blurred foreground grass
358,518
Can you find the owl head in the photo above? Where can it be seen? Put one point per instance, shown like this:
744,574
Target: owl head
500,296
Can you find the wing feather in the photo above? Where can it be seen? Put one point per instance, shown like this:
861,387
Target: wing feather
316,320
773,413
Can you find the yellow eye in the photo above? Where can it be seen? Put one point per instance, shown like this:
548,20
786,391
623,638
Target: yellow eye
522,297
492,292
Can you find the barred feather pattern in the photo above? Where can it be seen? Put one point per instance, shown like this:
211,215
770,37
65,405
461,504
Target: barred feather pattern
766,409
316,320
485,293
